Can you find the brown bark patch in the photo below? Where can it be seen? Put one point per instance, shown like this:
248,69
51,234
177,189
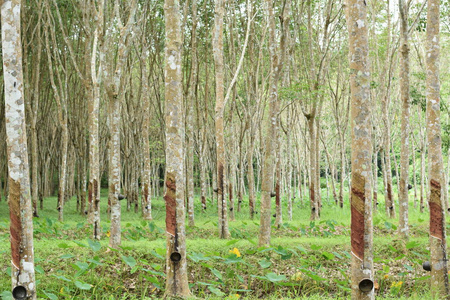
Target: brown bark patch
96,200
90,192
16,225
357,210
357,236
146,193
389,194
220,179
277,194
436,213
171,217
203,202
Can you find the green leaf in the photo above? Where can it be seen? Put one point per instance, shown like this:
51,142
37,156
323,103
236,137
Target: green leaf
83,285
315,247
80,265
264,263
232,242
80,244
233,258
216,291
152,226
65,256
134,269
155,281
252,241
6,295
302,250
412,244
61,277
264,249
196,257
50,295
39,269
409,268
272,277
94,245
129,261
95,261
327,255
161,251
157,255
217,274
63,246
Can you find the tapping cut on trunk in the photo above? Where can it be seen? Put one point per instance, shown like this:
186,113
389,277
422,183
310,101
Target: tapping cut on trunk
171,216
357,219
15,228
436,213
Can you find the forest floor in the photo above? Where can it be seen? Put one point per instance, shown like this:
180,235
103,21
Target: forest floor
307,260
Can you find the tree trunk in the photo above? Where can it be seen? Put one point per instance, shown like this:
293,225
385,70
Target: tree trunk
278,205
176,263
375,180
114,171
438,247
313,189
190,119
414,175
272,121
405,130
361,185
222,182
389,200
94,144
251,176
19,197
343,170
422,175
289,176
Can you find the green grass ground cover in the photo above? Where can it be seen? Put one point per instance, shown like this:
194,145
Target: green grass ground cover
307,260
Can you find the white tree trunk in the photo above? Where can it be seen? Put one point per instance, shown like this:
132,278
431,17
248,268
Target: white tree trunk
19,197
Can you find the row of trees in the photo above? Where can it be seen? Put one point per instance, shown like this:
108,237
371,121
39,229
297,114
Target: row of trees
94,76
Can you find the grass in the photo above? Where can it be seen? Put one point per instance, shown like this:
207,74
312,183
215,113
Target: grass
306,260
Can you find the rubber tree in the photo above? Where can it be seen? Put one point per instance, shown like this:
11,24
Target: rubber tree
19,196
405,129
361,128
222,186
276,54
113,73
176,264
438,247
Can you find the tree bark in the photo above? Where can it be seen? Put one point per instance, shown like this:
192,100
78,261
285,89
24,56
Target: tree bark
176,263
272,121
115,91
146,172
190,119
405,127
94,115
438,247
389,200
361,185
222,184
19,196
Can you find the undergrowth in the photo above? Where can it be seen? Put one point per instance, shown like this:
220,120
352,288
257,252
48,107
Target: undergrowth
306,260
